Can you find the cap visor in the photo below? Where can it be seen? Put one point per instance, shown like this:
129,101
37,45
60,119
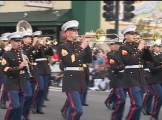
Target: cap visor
73,28
16,39
131,32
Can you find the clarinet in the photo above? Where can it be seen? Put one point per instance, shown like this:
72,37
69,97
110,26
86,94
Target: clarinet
27,67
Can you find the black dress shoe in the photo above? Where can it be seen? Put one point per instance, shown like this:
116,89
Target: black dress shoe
109,106
145,112
3,106
40,112
47,99
84,104
22,118
44,106
64,113
33,109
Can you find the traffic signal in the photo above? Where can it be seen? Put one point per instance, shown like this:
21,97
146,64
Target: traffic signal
108,13
128,8
111,31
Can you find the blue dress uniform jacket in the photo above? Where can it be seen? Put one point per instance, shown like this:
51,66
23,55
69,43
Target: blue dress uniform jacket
155,68
72,55
130,55
31,52
15,77
43,66
116,70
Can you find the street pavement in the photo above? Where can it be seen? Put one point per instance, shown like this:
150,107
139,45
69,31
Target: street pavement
95,111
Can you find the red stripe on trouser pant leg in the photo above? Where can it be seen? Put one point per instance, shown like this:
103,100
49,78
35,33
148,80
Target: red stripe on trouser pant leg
146,97
110,96
9,109
72,105
35,96
66,105
118,105
133,102
156,103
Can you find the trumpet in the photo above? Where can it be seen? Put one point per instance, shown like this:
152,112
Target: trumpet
156,39
48,41
99,35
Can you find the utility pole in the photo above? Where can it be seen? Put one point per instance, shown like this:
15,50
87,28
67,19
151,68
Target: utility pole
117,16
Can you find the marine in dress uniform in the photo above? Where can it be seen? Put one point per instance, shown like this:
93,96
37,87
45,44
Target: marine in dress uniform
111,100
131,55
147,102
116,72
30,49
44,70
4,45
154,81
82,95
73,56
14,66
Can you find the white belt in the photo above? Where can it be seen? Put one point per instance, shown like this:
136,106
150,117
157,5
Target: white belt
120,71
41,59
74,68
133,66
146,69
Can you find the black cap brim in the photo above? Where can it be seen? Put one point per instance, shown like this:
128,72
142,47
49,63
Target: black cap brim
16,39
119,43
72,28
26,36
131,32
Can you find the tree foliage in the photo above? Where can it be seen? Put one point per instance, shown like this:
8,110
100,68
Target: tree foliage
143,29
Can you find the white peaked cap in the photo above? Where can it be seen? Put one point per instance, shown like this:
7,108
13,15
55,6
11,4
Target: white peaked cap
14,35
4,36
26,33
130,28
73,24
37,33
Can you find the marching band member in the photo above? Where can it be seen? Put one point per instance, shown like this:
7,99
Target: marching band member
73,56
154,81
44,70
111,100
5,47
115,73
147,102
14,66
31,51
132,56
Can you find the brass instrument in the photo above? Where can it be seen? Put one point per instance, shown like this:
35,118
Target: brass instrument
156,39
49,41
23,26
99,36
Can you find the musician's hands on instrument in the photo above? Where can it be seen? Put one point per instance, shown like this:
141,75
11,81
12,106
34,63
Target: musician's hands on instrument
23,64
84,43
142,44
25,58
34,42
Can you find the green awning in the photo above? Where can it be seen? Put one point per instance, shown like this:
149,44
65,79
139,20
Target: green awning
48,17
